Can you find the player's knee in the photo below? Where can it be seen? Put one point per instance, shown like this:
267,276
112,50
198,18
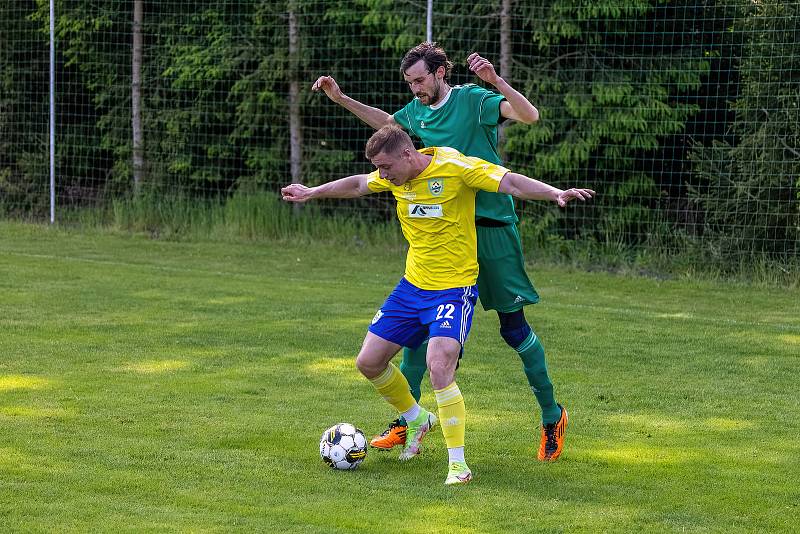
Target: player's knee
442,367
367,366
514,329
442,376
514,338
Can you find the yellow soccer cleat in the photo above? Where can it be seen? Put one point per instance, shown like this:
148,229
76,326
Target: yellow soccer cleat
458,473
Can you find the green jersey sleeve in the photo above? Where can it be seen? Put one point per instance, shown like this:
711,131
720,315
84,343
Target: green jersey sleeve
402,117
488,104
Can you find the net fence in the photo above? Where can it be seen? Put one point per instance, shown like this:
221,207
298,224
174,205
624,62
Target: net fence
683,115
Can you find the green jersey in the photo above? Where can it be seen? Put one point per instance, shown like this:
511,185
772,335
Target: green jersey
466,120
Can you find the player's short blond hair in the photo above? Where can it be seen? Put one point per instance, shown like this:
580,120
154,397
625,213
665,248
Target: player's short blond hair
389,140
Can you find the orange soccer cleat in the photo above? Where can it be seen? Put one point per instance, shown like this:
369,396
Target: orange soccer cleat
553,438
394,435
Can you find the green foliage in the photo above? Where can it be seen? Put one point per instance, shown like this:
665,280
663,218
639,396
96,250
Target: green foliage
24,115
610,79
610,89
625,88
750,183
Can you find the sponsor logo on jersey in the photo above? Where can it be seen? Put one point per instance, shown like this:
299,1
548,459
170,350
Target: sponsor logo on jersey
445,324
422,124
377,316
425,210
436,186
518,299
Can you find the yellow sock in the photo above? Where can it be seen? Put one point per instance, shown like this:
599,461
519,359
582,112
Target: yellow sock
452,415
393,387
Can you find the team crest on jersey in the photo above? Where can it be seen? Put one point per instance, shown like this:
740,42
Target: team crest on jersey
436,186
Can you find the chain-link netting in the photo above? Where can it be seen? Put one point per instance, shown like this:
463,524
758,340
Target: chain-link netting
683,115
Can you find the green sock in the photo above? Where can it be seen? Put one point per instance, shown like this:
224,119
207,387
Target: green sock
413,367
532,354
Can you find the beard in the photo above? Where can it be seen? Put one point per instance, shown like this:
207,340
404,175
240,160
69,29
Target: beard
432,98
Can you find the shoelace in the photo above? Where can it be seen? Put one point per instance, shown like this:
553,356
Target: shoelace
550,432
392,425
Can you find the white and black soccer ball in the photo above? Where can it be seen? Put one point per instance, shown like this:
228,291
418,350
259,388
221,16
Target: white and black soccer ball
343,446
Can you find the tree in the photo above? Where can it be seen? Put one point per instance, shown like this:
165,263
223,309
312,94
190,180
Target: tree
752,182
136,95
23,110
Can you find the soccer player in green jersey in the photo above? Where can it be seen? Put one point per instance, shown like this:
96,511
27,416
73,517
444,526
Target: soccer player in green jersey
466,118
435,192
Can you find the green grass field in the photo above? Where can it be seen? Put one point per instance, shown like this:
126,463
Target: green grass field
164,386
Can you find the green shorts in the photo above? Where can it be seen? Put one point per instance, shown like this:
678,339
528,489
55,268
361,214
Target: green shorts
503,284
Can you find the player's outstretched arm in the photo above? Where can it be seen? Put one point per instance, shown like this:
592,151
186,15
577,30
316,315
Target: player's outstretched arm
515,106
372,116
520,186
350,187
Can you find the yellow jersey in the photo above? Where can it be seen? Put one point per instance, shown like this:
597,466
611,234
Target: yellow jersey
437,215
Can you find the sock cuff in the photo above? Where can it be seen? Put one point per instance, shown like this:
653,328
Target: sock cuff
447,395
529,342
385,377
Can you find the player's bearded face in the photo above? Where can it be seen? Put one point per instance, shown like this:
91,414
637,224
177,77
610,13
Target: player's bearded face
429,93
425,85
435,91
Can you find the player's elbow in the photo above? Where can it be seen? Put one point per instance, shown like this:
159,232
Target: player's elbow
509,186
531,116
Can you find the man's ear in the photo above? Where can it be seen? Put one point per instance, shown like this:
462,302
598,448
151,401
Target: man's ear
440,72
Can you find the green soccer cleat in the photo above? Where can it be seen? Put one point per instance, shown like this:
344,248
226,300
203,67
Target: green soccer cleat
458,473
415,432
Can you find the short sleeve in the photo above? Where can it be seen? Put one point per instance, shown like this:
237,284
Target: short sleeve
484,175
489,108
376,184
401,117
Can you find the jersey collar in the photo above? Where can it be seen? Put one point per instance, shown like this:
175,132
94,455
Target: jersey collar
428,151
444,100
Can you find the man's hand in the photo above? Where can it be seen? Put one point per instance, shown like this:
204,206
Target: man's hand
296,193
574,193
482,68
329,85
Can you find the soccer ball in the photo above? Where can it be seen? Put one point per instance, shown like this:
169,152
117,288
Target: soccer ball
343,446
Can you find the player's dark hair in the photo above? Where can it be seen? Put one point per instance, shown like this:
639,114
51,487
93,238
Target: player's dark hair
432,54
389,140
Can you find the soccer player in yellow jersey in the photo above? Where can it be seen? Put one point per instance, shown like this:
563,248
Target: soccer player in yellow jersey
435,191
